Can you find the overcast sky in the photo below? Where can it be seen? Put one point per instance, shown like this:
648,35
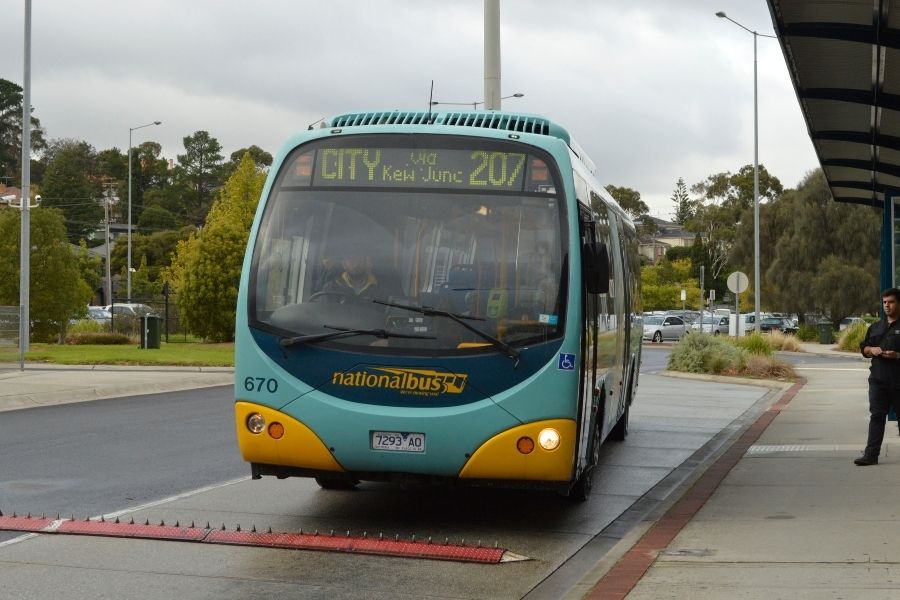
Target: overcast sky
653,90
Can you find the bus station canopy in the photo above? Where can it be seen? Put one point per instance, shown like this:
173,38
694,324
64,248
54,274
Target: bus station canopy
844,61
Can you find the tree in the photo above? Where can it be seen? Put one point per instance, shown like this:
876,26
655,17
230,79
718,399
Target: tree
631,203
262,159
661,285
728,198
804,237
735,191
206,269
11,133
199,169
69,186
156,218
58,290
684,206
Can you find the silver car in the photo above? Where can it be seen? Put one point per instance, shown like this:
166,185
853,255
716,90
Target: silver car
659,328
714,324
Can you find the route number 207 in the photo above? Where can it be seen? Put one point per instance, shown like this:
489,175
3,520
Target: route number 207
260,384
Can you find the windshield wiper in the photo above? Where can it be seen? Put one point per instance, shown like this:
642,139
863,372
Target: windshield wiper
428,311
342,332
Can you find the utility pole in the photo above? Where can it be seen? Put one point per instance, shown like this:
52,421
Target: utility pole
108,200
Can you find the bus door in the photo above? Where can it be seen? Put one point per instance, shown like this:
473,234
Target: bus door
589,393
619,299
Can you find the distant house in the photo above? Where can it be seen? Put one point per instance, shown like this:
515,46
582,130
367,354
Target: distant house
668,235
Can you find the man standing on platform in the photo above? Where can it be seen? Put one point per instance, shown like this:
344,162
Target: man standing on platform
881,344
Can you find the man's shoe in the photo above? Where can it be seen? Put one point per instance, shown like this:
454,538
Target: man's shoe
865,460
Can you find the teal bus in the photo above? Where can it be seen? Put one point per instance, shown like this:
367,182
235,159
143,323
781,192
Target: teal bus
436,296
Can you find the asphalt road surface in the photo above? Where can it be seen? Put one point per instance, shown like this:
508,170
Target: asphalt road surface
104,456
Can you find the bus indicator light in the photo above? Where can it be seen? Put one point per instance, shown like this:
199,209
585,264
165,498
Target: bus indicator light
525,445
276,430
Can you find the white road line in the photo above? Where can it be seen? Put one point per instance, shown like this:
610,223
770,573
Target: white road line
132,509
828,369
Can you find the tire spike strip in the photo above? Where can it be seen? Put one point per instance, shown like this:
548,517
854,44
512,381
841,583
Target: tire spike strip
364,544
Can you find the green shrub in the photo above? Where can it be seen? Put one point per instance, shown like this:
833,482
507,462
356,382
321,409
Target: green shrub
98,338
783,341
755,343
703,353
850,338
87,326
808,332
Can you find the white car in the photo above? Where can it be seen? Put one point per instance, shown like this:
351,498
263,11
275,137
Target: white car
714,324
129,310
659,328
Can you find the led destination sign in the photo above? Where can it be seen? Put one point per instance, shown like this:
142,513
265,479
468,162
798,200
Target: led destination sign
405,167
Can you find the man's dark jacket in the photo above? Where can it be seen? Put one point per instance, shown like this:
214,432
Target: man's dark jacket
884,371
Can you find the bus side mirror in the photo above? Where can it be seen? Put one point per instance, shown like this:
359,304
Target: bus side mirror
595,263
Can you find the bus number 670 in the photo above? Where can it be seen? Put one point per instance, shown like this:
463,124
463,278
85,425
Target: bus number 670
259,384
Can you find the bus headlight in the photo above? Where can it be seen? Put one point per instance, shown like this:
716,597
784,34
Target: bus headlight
549,439
256,423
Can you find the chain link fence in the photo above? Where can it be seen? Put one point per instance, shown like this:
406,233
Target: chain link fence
126,316
9,336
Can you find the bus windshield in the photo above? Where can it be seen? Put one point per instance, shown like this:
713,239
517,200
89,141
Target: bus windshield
353,235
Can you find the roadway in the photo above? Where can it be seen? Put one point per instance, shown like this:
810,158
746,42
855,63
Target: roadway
172,456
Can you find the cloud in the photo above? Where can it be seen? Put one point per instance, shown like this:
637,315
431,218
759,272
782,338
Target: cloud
653,91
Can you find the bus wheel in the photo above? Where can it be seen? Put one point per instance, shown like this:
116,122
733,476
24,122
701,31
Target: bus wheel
620,429
329,483
582,488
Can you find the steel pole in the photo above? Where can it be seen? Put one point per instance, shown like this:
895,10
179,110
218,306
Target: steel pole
25,240
756,289
128,268
492,54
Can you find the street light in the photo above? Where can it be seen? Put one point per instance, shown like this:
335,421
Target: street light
131,129
474,104
722,15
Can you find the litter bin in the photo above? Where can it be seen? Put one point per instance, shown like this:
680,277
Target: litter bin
826,333
150,331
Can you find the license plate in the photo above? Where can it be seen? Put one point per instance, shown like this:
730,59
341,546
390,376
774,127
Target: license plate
398,441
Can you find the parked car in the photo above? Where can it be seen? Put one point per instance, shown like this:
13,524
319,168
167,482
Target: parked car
688,316
715,324
848,321
659,328
781,324
128,309
99,314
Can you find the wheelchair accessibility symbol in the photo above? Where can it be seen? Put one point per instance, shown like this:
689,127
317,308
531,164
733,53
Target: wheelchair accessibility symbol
566,362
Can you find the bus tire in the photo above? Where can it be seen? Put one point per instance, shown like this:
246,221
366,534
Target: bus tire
581,490
620,430
330,483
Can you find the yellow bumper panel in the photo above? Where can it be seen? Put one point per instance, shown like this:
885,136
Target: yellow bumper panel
498,458
298,447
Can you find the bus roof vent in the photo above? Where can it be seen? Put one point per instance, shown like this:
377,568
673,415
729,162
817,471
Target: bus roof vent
501,121
492,120
396,117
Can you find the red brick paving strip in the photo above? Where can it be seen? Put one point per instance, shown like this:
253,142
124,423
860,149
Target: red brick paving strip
621,579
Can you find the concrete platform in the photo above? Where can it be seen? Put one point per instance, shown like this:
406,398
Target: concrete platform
794,517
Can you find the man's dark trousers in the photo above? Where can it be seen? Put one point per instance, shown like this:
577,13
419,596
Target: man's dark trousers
880,399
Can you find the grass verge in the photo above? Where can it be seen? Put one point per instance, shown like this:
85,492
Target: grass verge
180,354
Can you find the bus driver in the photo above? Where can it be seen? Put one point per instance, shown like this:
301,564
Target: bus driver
356,279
